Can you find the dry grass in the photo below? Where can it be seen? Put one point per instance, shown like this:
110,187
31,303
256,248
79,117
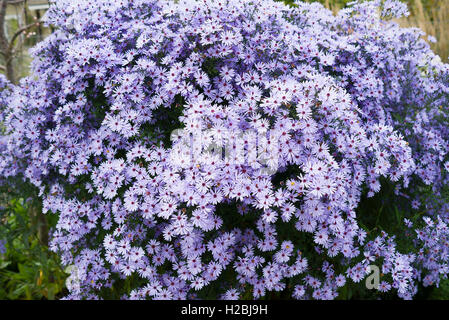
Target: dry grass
334,6
434,21
431,16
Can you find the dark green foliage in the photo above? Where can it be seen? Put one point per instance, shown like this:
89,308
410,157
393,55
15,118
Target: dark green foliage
28,269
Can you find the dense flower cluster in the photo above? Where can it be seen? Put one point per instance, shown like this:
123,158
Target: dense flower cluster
350,100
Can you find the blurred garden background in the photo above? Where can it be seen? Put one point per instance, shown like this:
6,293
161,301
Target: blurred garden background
28,269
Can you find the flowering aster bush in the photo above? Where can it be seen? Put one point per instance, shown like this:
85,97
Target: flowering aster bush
350,105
